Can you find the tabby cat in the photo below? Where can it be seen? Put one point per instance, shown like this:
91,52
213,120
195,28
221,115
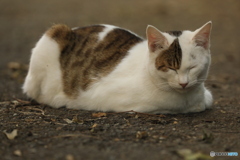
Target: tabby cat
107,68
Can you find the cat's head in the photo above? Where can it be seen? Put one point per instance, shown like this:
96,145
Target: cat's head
180,58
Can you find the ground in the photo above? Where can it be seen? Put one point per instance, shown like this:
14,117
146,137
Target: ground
35,131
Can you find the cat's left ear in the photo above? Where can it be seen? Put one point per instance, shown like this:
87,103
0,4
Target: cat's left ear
202,36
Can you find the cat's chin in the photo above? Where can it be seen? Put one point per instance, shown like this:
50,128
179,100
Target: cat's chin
183,90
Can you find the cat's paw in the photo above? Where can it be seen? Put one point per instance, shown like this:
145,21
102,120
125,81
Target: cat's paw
197,108
203,105
208,99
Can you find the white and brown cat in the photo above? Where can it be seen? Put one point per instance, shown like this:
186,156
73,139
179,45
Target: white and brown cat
107,68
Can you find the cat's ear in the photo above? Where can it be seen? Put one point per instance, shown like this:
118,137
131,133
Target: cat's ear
156,39
202,36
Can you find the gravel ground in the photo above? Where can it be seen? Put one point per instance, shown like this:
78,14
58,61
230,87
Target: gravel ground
33,131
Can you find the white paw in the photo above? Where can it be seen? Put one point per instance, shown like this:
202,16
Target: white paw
208,99
197,108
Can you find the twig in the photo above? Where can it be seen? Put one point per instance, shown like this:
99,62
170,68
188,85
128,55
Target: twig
73,135
22,101
132,111
223,132
33,109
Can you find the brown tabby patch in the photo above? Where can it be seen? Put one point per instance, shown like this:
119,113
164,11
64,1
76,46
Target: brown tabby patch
170,58
84,59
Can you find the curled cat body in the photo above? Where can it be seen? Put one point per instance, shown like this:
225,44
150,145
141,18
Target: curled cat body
107,68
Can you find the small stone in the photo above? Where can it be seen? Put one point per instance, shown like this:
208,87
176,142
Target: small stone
222,111
155,137
162,137
68,120
11,135
69,157
17,153
175,122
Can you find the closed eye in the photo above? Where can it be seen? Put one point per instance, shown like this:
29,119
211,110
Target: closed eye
192,67
160,67
172,69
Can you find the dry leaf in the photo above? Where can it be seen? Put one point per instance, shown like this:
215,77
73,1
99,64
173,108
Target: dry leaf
141,135
69,157
187,154
116,139
17,153
222,111
76,120
99,114
11,135
162,137
162,116
5,103
94,125
15,103
68,120
175,122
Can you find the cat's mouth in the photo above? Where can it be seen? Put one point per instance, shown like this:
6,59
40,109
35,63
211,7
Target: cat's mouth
181,90
185,89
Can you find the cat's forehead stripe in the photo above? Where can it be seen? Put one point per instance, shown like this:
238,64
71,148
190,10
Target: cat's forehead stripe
170,58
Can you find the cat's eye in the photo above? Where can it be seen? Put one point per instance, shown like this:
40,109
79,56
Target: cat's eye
160,67
191,67
173,69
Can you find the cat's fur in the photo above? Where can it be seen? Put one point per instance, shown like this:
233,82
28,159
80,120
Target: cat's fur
107,68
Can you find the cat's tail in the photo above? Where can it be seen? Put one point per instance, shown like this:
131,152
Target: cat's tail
43,81
61,33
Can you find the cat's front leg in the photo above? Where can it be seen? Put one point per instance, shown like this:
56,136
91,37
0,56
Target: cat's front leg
198,107
208,99
203,103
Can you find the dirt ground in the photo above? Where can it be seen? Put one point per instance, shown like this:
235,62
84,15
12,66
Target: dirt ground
33,131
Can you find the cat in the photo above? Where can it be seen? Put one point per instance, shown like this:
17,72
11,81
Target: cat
107,68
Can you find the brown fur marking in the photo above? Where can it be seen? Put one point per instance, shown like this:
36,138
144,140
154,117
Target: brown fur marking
175,33
84,59
170,58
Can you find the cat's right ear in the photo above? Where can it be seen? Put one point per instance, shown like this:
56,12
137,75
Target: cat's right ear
156,40
202,37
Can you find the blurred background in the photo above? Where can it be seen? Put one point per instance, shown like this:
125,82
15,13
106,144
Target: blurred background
23,22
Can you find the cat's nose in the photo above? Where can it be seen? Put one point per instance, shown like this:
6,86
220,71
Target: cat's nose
183,85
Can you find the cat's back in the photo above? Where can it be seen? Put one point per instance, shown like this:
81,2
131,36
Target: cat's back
101,36
74,59
89,53
106,38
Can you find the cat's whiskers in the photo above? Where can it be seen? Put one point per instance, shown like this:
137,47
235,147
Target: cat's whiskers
161,86
211,81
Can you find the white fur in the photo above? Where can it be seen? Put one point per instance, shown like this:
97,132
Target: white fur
135,84
107,29
44,77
